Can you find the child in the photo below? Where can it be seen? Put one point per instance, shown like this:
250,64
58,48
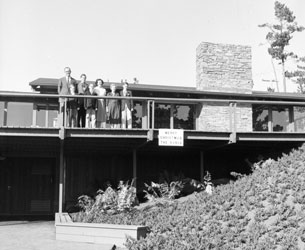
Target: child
72,107
90,105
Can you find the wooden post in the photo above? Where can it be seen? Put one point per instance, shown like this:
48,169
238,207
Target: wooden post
5,114
270,123
34,118
172,116
61,177
291,119
201,166
134,166
47,116
230,117
144,115
153,115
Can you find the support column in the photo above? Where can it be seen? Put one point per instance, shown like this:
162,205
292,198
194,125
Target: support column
47,116
144,115
201,166
62,177
172,116
153,115
5,114
270,123
134,167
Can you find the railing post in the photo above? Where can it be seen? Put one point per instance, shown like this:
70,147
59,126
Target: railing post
47,116
148,114
233,122
172,116
34,118
5,114
291,119
65,113
144,115
153,115
270,122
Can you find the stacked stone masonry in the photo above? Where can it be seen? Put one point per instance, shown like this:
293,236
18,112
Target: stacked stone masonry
224,68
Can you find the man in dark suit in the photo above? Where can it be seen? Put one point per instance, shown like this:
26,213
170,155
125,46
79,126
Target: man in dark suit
63,89
126,106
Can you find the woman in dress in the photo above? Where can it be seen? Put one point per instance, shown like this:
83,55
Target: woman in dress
101,107
114,108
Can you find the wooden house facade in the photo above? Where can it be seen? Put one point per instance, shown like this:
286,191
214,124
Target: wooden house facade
45,166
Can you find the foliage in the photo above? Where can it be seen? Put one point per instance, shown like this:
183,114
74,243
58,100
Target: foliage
163,191
264,210
280,34
109,201
298,76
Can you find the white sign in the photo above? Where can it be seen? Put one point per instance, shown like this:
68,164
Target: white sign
171,137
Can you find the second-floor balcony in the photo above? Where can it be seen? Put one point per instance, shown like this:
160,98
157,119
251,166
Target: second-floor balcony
201,118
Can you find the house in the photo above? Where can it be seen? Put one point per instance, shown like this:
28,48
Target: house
45,166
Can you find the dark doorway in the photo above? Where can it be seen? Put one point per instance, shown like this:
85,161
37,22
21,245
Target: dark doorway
27,186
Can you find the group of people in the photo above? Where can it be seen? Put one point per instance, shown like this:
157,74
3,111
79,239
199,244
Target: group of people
94,112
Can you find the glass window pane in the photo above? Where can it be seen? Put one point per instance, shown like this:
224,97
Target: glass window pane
19,114
52,119
162,115
137,115
260,118
184,117
299,119
280,119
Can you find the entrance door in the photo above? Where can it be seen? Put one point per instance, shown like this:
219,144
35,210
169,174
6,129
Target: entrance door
27,184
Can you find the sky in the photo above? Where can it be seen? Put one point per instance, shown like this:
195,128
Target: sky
153,40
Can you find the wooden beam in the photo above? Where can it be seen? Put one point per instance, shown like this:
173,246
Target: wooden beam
201,166
61,178
134,166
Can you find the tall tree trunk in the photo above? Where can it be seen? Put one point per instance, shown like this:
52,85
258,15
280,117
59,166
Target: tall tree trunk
284,77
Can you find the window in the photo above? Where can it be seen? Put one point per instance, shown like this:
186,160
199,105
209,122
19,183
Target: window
162,115
280,119
183,117
260,118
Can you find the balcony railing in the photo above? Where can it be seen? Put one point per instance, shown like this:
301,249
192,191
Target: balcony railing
42,110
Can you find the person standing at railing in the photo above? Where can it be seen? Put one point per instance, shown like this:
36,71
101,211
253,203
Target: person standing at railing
126,107
90,105
101,106
81,114
72,106
113,108
63,89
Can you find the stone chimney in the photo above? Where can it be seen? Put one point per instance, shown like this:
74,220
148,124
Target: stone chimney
224,68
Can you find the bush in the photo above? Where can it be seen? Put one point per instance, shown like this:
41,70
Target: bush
264,210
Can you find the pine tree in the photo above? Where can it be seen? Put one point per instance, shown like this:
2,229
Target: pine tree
280,35
298,76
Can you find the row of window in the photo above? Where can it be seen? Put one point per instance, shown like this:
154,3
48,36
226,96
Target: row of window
265,118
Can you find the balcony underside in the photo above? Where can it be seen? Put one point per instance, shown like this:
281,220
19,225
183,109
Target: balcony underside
45,142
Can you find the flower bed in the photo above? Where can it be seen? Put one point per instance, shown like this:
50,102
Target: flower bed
107,234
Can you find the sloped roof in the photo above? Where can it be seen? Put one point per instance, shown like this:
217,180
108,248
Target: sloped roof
51,84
